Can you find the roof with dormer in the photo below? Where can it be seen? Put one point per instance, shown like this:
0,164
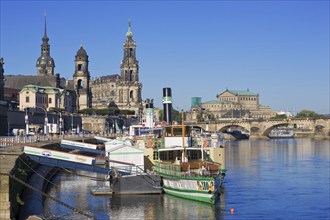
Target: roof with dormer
219,102
240,92
42,89
19,81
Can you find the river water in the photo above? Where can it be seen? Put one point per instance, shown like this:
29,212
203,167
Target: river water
266,179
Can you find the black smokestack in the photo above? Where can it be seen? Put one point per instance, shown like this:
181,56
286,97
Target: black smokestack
167,105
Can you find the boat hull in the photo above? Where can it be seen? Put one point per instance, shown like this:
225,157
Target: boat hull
203,189
136,184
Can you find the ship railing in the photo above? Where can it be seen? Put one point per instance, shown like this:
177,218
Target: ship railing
128,170
175,170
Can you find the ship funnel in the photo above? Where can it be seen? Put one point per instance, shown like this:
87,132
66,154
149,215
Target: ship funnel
167,105
149,113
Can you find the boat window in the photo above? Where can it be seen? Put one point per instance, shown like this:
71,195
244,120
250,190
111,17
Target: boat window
177,131
170,155
163,155
155,155
194,155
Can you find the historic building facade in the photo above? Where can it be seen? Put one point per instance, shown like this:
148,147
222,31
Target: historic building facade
47,98
120,91
124,91
232,104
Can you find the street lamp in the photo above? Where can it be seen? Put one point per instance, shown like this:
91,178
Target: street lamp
124,124
46,119
71,123
113,125
26,123
61,123
107,127
61,120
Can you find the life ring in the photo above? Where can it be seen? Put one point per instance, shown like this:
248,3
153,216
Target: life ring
205,143
150,143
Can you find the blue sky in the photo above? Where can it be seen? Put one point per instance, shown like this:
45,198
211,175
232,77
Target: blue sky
279,49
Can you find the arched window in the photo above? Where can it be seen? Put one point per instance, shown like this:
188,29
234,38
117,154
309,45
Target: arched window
131,95
80,84
113,93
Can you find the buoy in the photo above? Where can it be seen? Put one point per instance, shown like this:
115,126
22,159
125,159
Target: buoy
232,210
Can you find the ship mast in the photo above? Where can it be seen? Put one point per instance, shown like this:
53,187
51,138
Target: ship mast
184,153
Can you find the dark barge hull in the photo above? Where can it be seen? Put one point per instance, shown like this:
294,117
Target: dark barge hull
136,184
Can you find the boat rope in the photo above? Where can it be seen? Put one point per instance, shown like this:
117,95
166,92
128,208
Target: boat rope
86,176
49,196
42,177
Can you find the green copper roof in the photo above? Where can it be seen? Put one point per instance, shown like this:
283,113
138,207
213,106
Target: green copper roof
219,102
242,92
43,89
129,32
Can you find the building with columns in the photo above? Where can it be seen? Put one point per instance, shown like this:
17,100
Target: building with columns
231,104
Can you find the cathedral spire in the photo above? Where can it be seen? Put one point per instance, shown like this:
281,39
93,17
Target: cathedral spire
45,38
45,28
45,63
129,32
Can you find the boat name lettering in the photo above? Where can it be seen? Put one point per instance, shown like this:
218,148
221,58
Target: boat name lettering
205,185
81,159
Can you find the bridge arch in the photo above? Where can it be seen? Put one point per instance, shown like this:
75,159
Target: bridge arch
268,130
236,127
259,128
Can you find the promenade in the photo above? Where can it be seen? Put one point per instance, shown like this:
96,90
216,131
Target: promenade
10,152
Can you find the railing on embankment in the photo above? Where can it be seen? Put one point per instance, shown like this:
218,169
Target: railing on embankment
16,171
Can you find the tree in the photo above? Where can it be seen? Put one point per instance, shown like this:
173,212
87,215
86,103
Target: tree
280,116
307,114
176,115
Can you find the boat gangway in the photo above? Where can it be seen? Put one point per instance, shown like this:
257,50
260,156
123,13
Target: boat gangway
72,160
81,146
102,139
64,159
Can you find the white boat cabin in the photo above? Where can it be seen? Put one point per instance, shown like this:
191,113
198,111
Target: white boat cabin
126,158
177,136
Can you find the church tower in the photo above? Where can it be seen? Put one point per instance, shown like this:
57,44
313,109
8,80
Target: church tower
129,66
2,80
45,63
81,78
130,87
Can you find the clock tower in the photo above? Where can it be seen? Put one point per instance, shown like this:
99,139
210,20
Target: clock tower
45,63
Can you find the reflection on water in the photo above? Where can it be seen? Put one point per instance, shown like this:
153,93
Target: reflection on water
275,179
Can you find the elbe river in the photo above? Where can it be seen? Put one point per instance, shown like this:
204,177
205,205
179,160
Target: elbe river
266,179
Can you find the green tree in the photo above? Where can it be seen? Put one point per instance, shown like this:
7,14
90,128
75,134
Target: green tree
307,114
281,116
176,115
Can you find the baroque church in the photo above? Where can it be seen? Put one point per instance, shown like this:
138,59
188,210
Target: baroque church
118,91
124,91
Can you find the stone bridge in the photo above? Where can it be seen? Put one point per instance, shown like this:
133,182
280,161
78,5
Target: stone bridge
259,129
